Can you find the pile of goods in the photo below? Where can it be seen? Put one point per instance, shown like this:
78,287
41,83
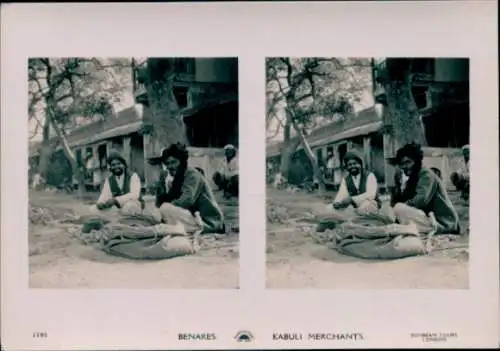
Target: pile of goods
39,215
43,216
138,237
380,241
277,214
378,237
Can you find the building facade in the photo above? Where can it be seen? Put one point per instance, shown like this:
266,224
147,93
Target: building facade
206,91
441,90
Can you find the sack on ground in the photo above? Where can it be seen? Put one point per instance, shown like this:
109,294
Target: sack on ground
378,242
152,249
137,237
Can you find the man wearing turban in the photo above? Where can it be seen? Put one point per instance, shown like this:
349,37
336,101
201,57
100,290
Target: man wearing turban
461,178
226,178
359,189
186,194
122,189
418,192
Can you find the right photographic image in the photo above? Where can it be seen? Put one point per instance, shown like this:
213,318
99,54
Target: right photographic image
367,165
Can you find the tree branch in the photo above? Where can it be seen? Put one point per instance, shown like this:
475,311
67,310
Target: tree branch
276,78
304,97
38,125
276,131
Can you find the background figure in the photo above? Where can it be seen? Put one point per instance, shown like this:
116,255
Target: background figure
330,167
187,194
226,178
461,179
121,190
279,181
37,181
88,167
418,192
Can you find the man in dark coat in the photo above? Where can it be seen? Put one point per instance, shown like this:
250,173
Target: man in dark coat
420,196
186,194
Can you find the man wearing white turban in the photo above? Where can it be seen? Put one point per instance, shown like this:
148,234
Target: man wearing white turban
226,178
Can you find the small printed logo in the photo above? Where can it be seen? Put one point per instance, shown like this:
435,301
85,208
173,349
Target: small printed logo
244,336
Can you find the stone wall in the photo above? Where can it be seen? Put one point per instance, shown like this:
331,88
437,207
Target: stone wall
447,160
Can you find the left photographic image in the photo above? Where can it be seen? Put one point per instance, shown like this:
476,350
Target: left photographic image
133,172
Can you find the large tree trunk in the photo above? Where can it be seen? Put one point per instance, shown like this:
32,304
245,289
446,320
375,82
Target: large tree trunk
288,148
287,151
313,159
167,124
402,115
68,153
45,152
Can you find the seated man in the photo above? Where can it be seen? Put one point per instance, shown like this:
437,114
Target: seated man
418,192
461,179
122,189
226,178
188,194
359,189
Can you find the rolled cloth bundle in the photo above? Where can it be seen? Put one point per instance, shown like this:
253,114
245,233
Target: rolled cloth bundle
136,237
390,241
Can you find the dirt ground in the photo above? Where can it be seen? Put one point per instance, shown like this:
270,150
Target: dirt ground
295,260
59,260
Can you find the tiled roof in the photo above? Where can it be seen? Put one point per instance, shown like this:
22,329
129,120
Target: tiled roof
365,122
127,121
93,131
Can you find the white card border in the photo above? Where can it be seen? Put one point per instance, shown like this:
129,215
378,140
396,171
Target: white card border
89,319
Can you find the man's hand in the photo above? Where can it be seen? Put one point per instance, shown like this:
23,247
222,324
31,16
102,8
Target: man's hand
113,202
342,204
108,204
356,201
101,206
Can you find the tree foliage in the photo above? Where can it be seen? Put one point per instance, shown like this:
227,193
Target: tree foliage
75,89
64,93
304,93
313,91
